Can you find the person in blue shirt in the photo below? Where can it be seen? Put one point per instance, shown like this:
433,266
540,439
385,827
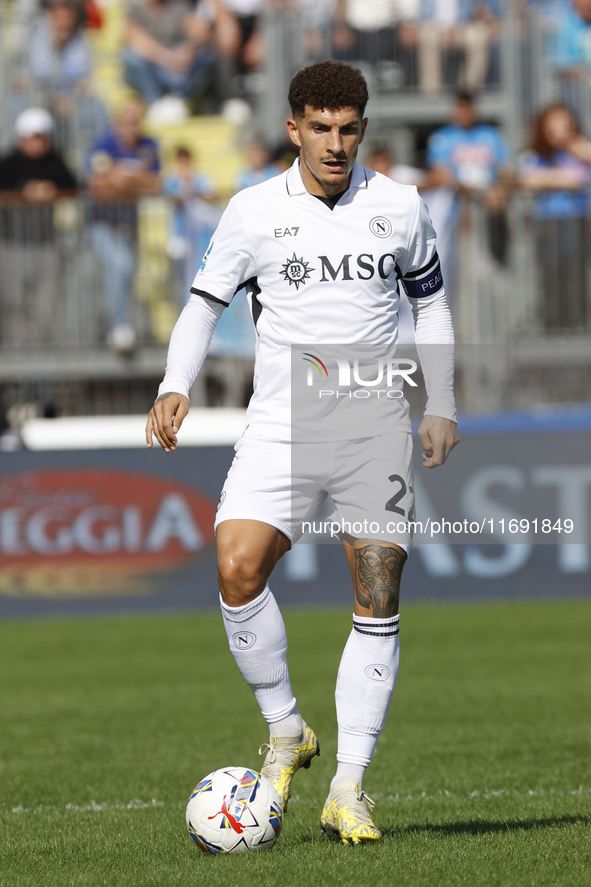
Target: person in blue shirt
185,183
193,218
121,166
471,158
468,154
258,167
569,47
55,62
59,56
557,168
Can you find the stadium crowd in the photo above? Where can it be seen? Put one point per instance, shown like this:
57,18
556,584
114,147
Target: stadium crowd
180,58
204,52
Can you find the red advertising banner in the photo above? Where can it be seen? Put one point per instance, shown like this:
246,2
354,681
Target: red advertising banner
97,531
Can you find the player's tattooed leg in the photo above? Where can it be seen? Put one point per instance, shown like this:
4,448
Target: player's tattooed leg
376,577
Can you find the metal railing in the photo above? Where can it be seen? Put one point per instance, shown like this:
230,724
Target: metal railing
65,265
70,269
541,290
74,269
535,307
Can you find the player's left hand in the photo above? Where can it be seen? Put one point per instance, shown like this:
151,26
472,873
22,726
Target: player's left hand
438,437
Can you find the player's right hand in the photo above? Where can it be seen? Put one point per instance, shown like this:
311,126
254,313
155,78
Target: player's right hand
165,419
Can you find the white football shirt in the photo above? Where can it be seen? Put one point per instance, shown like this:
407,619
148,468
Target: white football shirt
317,275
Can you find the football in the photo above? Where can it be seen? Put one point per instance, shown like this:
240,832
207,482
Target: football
232,810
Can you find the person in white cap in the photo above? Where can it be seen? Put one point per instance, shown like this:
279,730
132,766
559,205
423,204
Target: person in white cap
31,176
33,167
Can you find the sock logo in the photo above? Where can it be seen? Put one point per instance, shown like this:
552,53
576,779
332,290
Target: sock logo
377,672
244,639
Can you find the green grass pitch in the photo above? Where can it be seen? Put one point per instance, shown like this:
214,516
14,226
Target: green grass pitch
482,775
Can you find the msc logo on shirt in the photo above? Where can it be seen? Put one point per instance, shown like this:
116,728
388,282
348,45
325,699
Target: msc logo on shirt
348,267
296,271
363,267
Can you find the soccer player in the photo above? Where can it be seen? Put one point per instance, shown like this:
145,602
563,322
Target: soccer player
320,249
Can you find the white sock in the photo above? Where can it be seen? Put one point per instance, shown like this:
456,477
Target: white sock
365,684
289,726
258,641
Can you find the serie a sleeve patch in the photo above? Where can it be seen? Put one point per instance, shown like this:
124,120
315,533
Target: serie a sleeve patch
425,282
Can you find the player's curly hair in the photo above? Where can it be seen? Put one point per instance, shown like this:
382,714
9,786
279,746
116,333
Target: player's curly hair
330,85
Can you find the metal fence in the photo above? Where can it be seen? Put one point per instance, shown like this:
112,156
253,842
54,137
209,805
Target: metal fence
72,270
75,269
535,306
89,293
540,290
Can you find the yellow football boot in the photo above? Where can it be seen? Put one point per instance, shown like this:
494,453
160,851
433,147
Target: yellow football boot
285,755
347,813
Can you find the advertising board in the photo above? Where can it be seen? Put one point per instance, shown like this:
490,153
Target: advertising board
91,531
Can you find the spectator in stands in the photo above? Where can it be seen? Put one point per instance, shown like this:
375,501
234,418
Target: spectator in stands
167,52
317,18
370,32
382,160
557,168
258,167
449,26
60,64
239,50
568,48
30,282
468,154
185,181
33,167
121,167
60,58
52,67
284,156
571,47
472,158
193,219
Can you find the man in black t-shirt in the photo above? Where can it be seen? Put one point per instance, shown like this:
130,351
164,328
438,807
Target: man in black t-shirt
32,175
33,167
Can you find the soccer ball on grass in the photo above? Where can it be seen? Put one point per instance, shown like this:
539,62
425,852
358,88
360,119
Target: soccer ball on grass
232,810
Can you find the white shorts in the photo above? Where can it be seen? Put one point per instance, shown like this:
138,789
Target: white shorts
282,484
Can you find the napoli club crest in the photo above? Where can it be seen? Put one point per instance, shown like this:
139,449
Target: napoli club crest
380,226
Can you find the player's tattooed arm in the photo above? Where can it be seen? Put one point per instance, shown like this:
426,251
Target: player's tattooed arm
164,397
165,419
377,572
